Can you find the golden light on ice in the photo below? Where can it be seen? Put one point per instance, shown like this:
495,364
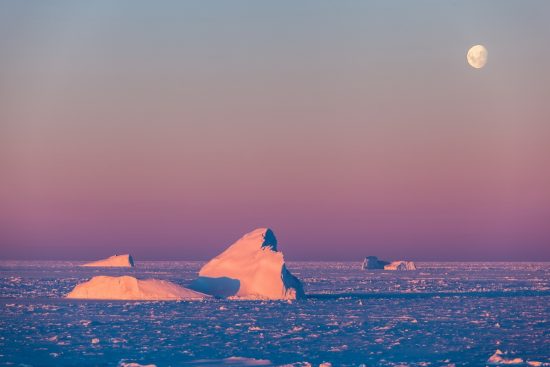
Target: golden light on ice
477,56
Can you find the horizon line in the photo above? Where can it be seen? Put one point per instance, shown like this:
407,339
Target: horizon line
293,260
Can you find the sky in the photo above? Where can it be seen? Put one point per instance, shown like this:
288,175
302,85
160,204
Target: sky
351,128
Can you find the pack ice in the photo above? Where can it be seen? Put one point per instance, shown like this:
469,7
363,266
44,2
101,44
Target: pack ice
130,288
373,263
251,268
122,261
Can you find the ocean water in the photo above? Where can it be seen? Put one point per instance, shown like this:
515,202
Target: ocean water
443,314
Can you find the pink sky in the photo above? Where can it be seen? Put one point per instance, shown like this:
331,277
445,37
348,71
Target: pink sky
362,138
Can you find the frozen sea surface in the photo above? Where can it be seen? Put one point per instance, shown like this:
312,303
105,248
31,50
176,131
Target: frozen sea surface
443,314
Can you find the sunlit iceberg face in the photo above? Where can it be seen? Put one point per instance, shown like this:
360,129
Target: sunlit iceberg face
252,268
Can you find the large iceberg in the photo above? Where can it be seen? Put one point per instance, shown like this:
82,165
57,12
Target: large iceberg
373,263
130,288
251,268
121,261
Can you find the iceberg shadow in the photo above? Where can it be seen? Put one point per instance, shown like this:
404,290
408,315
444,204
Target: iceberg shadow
217,287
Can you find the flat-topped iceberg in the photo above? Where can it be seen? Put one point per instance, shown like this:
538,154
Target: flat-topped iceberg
120,261
130,288
251,268
373,263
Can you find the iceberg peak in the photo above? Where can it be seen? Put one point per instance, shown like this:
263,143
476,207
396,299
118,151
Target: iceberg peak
264,236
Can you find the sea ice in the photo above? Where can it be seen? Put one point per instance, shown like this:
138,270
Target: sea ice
231,361
250,268
120,261
455,304
130,288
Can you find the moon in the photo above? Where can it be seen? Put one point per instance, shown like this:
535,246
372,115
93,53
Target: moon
477,56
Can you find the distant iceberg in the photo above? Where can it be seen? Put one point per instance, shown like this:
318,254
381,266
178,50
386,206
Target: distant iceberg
373,263
130,288
400,265
121,261
250,268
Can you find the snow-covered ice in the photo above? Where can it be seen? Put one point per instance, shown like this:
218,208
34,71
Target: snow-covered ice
118,261
134,364
251,268
130,288
230,361
499,358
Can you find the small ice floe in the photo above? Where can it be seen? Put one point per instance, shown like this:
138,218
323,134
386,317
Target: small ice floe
499,358
325,364
14,279
535,363
95,340
134,364
241,361
231,361
339,348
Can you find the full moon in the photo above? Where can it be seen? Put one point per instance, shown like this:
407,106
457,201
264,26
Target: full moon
477,56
